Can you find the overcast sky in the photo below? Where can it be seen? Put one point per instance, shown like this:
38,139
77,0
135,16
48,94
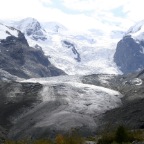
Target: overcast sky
77,14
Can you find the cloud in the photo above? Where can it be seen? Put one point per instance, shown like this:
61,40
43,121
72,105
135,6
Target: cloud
77,14
111,13
120,12
46,1
84,5
19,8
134,10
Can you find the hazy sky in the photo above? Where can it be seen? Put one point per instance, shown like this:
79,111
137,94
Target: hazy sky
77,14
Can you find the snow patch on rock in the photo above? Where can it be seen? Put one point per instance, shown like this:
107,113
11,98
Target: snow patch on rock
6,31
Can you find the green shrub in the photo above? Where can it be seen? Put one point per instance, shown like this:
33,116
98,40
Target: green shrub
121,135
17,142
73,138
138,135
41,141
107,138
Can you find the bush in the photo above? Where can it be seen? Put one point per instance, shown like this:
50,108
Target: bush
121,135
138,135
73,138
107,138
59,139
42,141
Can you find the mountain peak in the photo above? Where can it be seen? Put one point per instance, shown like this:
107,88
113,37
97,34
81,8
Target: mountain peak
55,27
137,31
28,23
30,19
129,55
136,27
31,27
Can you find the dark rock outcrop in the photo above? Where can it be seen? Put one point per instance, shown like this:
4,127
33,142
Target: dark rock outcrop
129,55
38,118
130,113
16,99
73,48
17,58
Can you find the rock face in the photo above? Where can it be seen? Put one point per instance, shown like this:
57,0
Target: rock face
73,49
130,113
16,98
129,55
76,53
17,58
59,104
44,107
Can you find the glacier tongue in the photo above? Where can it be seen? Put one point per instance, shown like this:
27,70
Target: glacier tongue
80,98
67,104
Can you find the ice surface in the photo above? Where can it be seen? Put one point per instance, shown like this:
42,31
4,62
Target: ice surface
136,81
95,47
80,98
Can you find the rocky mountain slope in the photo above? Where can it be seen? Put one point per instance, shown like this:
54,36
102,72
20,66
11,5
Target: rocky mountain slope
19,59
75,53
16,98
67,104
129,55
130,113
44,107
56,105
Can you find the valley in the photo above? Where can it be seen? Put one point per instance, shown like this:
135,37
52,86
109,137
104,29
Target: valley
53,81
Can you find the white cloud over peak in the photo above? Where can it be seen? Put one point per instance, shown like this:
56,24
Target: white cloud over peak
84,5
77,14
46,1
124,12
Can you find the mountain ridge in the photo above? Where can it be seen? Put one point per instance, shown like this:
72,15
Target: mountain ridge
17,58
95,50
44,107
129,55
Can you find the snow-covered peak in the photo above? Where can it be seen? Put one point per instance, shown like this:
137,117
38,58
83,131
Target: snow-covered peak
54,27
137,31
137,27
28,23
32,28
6,31
74,52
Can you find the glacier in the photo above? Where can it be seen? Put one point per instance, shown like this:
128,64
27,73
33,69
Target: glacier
95,47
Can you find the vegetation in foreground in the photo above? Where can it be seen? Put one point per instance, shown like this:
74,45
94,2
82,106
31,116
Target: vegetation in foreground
120,136
72,138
